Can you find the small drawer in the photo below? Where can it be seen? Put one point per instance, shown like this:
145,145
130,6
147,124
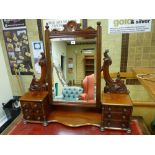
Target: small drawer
112,108
25,105
36,105
38,117
116,124
27,116
124,109
116,116
125,124
27,110
38,111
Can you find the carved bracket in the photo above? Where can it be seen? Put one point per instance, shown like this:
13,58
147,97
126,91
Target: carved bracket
112,86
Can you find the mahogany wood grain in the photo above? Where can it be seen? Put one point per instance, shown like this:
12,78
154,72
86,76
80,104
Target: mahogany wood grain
35,107
49,67
72,29
34,96
40,84
98,64
75,104
116,99
112,86
116,111
75,119
76,114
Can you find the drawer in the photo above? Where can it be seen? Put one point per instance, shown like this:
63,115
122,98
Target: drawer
36,105
116,124
38,117
38,111
116,116
123,109
25,105
27,116
27,110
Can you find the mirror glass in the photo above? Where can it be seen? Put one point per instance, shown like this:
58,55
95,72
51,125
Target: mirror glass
74,70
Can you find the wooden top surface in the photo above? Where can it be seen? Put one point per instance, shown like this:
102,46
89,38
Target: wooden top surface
149,83
116,99
75,119
34,96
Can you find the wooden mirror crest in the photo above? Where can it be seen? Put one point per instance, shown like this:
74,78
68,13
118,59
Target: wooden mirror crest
72,29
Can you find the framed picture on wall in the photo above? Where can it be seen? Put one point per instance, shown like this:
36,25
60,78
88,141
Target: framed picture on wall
37,47
13,24
17,47
70,65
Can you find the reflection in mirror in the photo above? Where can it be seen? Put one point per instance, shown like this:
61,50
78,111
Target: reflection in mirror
74,70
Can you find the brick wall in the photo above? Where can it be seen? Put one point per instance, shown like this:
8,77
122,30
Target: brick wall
141,51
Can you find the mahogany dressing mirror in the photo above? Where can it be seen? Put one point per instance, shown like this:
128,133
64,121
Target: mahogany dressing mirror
75,65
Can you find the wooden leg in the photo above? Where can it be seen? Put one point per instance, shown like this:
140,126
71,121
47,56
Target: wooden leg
129,130
45,123
24,121
102,127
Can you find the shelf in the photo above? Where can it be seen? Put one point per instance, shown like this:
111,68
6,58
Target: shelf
75,119
89,64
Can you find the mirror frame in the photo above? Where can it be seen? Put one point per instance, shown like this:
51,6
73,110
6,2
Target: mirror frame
72,30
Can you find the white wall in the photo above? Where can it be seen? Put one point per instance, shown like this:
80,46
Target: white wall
5,87
58,49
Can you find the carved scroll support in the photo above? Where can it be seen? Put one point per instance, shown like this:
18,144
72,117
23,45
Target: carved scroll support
40,84
112,86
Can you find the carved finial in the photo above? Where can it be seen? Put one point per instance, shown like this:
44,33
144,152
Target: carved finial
47,27
98,23
106,53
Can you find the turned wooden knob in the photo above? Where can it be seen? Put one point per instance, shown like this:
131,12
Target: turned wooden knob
98,23
47,27
38,118
109,115
28,117
26,110
123,116
123,125
109,109
37,111
124,109
108,123
35,105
